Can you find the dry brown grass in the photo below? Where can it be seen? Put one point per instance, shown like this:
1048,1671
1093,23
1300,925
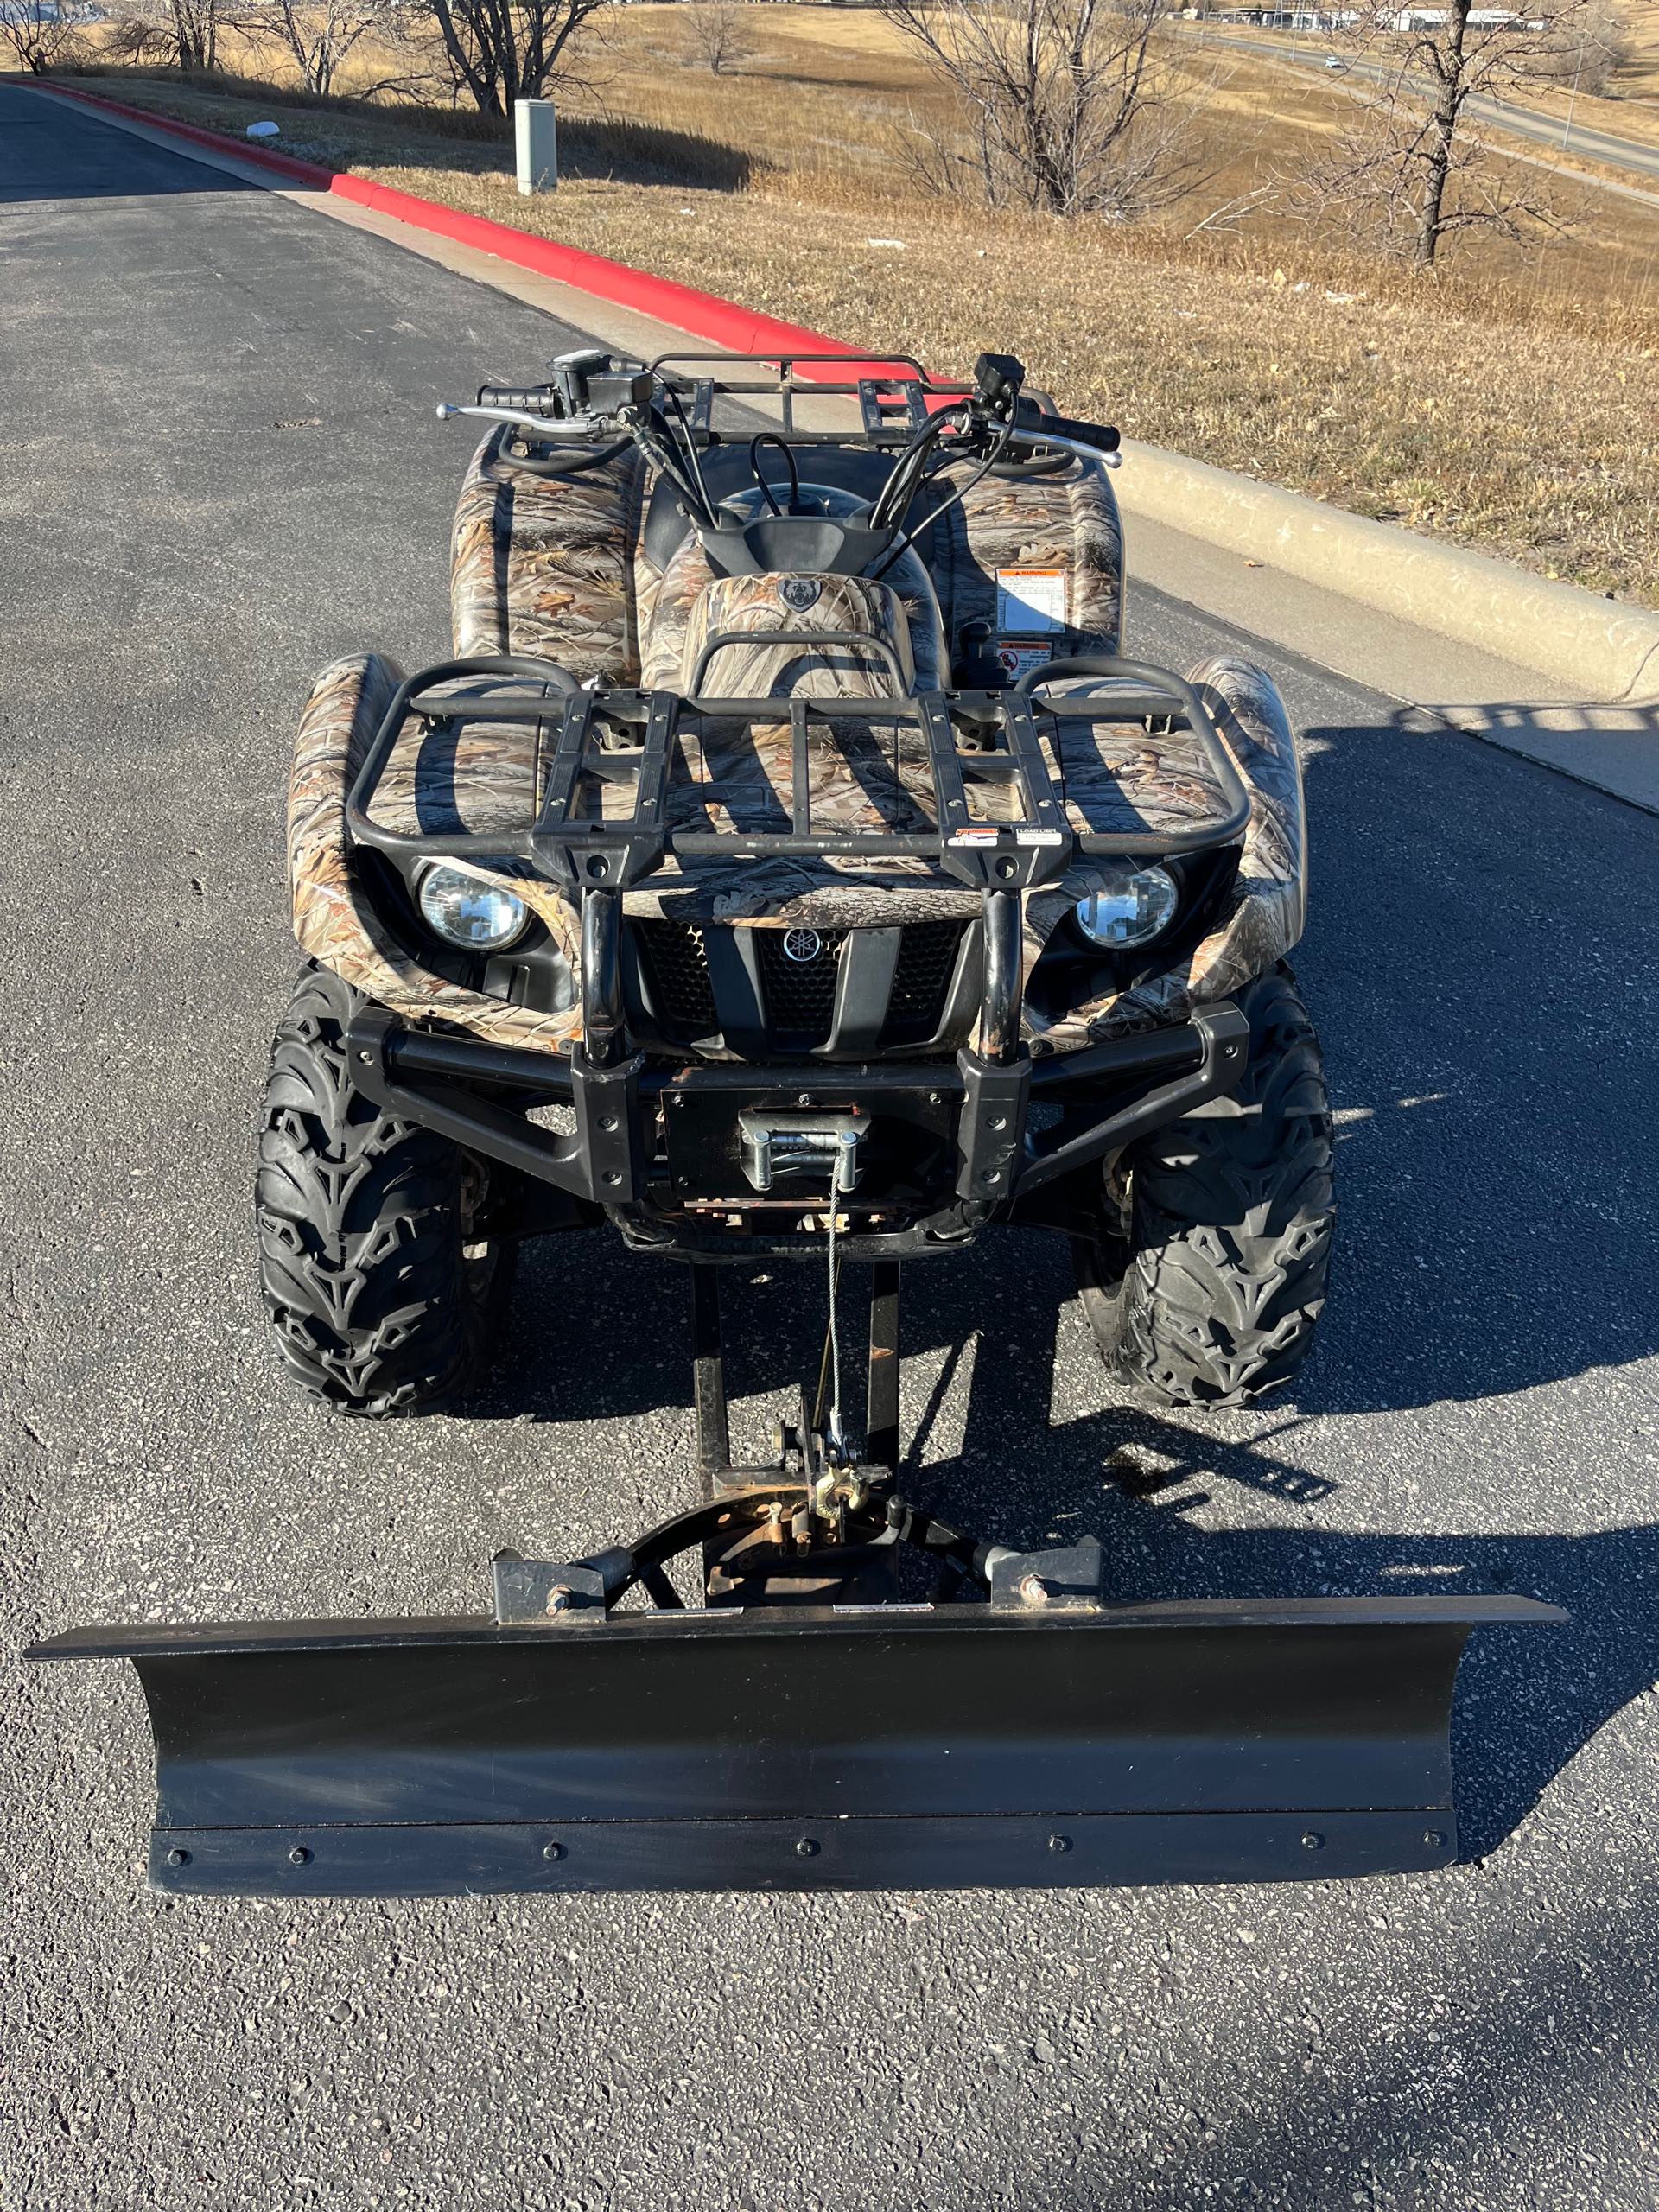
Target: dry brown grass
1513,404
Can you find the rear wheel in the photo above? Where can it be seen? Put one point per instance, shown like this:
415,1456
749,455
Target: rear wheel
1212,1294
384,1289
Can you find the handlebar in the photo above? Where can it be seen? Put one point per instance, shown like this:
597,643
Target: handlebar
591,396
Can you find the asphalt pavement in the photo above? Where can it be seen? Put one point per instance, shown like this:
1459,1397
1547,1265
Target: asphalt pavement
221,470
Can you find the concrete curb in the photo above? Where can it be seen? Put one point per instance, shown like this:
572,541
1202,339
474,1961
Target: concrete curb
1603,649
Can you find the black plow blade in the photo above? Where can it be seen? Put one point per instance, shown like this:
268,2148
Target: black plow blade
855,1748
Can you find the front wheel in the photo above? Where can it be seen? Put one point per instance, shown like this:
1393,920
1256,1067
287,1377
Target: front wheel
385,1291
1212,1294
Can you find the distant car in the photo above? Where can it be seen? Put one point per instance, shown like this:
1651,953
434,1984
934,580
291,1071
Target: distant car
1335,62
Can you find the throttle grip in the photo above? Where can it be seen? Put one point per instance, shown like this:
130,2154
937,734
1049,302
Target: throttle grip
1066,426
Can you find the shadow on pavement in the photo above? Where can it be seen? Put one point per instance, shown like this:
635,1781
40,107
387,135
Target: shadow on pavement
1609,745
1347,2107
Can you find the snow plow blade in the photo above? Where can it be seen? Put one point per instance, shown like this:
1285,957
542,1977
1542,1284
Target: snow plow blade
804,1747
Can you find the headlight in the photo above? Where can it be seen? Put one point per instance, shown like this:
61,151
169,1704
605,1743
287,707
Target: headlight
470,911
1131,908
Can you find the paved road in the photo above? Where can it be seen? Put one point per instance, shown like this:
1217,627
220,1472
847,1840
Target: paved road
221,469
1583,139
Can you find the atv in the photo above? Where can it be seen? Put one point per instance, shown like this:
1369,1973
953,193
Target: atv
788,866
788,819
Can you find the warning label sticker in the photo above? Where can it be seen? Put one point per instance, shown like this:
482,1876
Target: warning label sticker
1019,660
1030,602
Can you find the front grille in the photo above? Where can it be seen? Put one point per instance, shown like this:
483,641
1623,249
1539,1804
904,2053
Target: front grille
927,961
799,995
676,971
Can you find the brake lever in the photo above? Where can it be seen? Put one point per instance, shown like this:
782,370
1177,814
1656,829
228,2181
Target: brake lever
1108,457
545,426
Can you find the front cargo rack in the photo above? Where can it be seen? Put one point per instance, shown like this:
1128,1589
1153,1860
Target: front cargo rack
588,742
622,743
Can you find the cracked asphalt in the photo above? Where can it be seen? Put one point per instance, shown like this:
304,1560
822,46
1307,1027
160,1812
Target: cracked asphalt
221,470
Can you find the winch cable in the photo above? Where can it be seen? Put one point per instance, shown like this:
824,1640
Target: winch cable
829,1365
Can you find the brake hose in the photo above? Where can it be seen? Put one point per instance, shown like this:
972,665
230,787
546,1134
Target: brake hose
944,506
691,450
907,474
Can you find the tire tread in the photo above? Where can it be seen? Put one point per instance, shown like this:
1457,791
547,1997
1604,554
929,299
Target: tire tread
1231,1219
359,1234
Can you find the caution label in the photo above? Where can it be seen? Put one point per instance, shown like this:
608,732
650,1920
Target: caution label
1030,602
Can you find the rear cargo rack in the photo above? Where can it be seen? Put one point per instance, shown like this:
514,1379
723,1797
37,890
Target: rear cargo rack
895,393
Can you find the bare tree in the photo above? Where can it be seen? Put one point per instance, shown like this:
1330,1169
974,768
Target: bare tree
320,36
40,35
1410,165
720,34
1064,104
499,51
185,32
140,40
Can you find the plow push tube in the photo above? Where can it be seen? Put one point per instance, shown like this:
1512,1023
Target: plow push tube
910,1747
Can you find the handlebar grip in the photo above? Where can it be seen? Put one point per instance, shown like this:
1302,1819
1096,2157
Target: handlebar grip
1066,426
528,399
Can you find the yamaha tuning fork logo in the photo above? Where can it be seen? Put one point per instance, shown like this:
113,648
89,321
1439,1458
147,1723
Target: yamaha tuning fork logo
802,945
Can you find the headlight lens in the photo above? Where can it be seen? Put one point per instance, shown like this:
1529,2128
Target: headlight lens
470,911
1131,907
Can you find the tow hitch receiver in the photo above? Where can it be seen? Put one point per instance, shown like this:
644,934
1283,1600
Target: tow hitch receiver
810,1725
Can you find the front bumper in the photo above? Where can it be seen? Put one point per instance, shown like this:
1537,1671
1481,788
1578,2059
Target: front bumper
659,1146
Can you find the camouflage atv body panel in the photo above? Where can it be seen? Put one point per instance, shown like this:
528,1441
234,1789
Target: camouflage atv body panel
1268,904
904,632
335,918
543,564
557,566
1067,521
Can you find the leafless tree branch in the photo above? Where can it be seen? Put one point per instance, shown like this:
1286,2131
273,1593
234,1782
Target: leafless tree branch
1409,164
1061,106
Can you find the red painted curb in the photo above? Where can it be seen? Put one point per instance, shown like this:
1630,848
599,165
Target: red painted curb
700,315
